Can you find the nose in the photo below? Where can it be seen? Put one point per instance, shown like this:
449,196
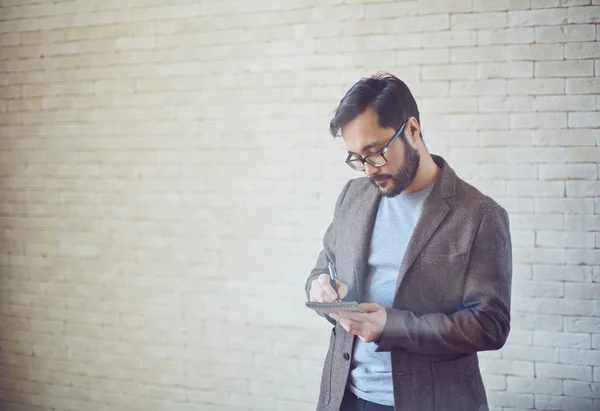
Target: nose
370,170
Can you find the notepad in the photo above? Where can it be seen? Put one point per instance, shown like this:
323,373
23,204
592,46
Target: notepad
326,308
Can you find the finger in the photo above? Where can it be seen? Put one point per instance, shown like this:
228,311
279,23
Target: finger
321,296
351,326
342,290
334,316
317,293
354,316
325,284
370,307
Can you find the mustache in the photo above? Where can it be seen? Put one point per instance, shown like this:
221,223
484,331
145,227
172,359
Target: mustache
380,177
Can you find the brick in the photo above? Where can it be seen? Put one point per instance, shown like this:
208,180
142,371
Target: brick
564,34
537,155
537,289
478,20
523,238
583,188
448,72
576,68
534,385
555,306
541,354
572,372
505,70
575,2
503,367
440,6
537,17
539,255
566,103
520,338
562,339
582,324
389,10
583,223
579,15
583,257
534,52
581,389
509,105
539,321
572,356
494,382
583,50
583,86
479,54
584,119
566,171
535,86
564,239
487,5
563,205
448,105
582,154
352,44
453,38
478,88
517,205
540,221
510,399
408,57
506,36
397,25
541,4
538,120
553,402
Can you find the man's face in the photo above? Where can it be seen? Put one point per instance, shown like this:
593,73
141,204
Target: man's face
364,136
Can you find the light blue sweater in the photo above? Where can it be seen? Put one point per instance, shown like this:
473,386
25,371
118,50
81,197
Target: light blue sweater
371,373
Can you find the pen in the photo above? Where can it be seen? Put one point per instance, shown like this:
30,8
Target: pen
332,276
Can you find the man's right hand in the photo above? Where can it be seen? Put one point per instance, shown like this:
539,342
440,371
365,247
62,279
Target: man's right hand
321,290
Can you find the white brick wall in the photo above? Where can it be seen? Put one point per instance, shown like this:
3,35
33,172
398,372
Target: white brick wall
166,175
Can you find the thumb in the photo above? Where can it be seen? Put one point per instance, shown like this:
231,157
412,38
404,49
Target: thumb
342,290
370,307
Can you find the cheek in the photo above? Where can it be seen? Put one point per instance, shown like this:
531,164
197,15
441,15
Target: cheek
395,161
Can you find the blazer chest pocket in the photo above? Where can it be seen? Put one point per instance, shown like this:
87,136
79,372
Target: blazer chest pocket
442,279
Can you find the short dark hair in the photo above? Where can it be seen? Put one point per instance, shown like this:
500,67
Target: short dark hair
385,93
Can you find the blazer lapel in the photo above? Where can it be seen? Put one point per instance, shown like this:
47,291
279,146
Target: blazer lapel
366,214
434,212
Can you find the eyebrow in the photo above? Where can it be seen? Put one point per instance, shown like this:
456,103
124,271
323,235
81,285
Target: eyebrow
368,146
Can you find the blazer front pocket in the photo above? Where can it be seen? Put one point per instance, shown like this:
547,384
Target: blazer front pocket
442,279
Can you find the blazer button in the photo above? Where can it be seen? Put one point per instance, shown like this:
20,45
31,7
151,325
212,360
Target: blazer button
346,356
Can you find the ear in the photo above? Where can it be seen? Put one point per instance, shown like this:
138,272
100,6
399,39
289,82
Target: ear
412,131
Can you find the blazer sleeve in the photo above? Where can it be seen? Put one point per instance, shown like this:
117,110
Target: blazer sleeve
483,323
327,253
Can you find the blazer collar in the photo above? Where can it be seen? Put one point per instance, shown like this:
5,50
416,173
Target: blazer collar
434,211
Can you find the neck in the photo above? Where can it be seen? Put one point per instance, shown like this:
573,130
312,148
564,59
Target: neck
427,174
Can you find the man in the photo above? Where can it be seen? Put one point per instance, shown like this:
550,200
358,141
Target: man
426,254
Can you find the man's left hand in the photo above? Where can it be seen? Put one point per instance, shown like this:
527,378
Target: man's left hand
367,326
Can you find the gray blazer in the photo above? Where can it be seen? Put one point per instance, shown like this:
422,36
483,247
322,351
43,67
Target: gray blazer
452,294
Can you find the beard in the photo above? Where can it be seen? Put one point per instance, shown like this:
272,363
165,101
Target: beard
401,180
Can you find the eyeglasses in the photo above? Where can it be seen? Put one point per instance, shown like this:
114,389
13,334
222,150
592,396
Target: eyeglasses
376,159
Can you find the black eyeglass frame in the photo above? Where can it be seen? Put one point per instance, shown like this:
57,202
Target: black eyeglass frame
381,153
